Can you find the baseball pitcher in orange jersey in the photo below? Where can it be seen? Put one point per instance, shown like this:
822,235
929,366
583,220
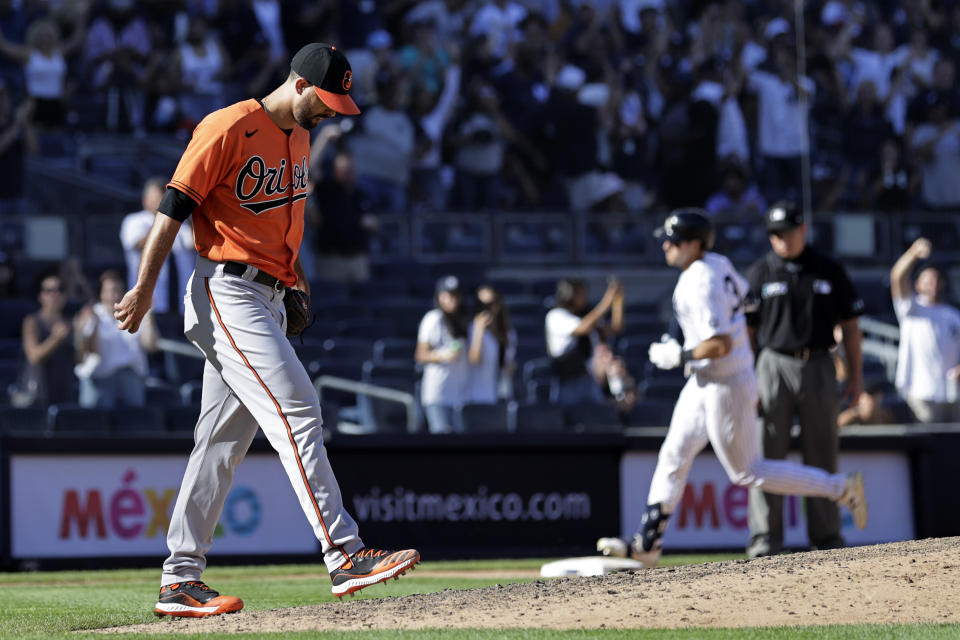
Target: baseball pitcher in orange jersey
243,178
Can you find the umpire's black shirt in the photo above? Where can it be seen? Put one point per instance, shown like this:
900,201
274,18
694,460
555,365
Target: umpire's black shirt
794,304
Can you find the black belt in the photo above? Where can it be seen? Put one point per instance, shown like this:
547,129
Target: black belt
801,354
262,277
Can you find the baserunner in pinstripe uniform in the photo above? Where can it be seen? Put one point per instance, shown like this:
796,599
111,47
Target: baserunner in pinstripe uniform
719,401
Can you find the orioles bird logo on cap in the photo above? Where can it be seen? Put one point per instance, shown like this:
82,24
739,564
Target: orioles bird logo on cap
347,80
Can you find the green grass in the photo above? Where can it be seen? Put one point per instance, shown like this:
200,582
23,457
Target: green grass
57,604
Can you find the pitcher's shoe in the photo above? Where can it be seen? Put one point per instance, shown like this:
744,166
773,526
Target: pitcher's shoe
620,548
194,599
371,566
855,499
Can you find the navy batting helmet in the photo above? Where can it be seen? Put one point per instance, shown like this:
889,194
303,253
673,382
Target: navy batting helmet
687,224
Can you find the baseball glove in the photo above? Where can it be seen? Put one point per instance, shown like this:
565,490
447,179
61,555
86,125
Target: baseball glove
299,314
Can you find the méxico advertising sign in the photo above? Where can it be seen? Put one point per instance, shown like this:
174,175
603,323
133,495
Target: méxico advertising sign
93,505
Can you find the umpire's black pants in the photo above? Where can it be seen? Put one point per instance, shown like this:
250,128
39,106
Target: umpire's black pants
791,386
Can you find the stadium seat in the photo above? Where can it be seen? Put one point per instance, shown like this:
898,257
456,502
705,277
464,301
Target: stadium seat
310,352
180,368
366,328
666,389
347,350
328,292
543,287
592,416
389,369
147,420
538,369
11,320
393,349
641,309
528,327
644,325
11,349
29,420
539,383
634,350
650,413
382,416
182,419
527,351
170,325
526,307
330,411
378,289
484,418
190,393
9,372
509,287
66,418
875,294
163,396
536,418
537,391
337,370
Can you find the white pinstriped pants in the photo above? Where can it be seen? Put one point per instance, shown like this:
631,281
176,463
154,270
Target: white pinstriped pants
724,413
252,378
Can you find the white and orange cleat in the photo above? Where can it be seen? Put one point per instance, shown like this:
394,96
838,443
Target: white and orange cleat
371,566
194,599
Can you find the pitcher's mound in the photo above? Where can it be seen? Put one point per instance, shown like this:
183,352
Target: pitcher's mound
906,582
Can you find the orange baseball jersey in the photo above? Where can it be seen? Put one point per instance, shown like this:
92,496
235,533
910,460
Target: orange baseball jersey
249,179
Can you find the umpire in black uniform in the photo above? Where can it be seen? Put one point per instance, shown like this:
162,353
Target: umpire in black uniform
797,296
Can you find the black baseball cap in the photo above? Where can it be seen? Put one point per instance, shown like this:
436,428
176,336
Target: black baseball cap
326,68
783,216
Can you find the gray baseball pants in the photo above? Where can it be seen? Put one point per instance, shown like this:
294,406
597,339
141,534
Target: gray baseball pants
808,389
252,378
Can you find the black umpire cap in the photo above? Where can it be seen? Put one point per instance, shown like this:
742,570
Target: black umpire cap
691,223
783,216
327,69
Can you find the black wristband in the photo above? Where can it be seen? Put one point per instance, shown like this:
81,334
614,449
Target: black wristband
686,356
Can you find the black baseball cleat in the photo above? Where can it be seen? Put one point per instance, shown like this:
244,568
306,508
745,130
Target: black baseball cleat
371,566
193,599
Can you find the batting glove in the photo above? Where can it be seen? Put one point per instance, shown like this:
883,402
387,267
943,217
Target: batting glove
666,355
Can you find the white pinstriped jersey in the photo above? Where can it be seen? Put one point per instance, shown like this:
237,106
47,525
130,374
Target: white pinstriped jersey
708,302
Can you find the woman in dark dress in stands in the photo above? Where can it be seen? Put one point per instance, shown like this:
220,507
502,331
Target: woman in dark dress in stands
47,376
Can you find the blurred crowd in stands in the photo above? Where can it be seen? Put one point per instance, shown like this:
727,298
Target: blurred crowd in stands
542,356
612,106
590,105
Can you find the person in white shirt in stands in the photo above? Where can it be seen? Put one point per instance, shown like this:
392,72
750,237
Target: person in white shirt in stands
936,148
493,350
133,235
441,349
573,332
928,363
433,112
113,367
44,64
783,110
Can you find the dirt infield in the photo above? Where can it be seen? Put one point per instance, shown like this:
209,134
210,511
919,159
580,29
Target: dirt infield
905,582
